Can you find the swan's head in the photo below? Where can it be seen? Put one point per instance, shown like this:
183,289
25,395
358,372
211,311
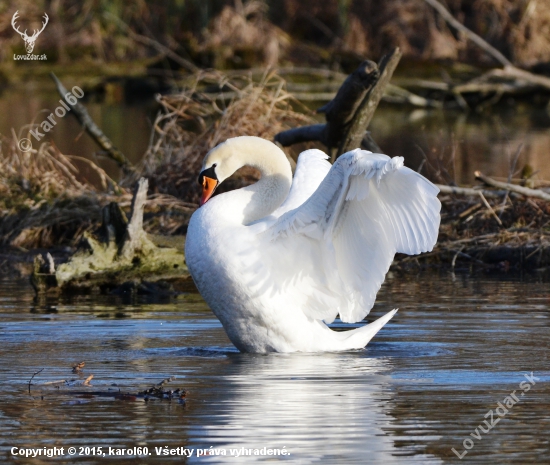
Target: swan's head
220,163
223,160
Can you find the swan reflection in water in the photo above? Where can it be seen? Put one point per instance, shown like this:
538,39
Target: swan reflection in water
329,408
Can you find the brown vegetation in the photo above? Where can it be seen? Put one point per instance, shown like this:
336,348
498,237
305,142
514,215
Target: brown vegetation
192,122
501,232
234,33
42,200
45,201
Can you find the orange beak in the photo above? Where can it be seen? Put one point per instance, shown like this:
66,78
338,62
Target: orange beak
208,187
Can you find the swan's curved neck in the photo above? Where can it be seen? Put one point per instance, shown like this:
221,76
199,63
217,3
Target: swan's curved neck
262,198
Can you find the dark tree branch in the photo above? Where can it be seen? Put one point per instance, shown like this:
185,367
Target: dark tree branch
363,116
302,134
350,112
341,111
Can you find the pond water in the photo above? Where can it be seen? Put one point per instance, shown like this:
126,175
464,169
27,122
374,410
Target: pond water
455,143
458,345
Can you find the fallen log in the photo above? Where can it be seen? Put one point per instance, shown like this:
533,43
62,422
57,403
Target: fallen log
121,253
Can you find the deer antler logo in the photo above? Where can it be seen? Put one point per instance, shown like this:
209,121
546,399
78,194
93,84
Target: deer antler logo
29,41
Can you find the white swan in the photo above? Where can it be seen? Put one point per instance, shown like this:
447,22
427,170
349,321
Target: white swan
278,259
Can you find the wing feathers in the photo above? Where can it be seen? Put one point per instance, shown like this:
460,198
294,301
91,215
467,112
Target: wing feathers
367,208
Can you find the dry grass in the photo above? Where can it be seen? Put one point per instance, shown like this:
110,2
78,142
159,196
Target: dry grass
508,234
193,122
45,201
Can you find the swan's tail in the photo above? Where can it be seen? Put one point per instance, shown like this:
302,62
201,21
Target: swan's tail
360,337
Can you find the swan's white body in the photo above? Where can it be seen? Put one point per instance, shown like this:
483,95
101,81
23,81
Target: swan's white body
278,259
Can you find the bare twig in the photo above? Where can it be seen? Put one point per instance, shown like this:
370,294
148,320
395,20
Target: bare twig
455,257
512,187
80,112
38,372
511,172
488,206
470,210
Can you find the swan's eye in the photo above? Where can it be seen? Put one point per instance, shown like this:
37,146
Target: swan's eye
214,165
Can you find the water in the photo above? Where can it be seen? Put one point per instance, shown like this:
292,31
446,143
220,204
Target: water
457,347
455,143
128,125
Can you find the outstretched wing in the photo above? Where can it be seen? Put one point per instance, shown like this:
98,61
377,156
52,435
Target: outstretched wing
344,236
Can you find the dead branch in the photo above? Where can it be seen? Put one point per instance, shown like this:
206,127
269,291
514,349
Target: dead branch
341,112
82,115
468,33
453,190
512,187
136,238
301,134
365,112
509,69
488,206
351,110
30,380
